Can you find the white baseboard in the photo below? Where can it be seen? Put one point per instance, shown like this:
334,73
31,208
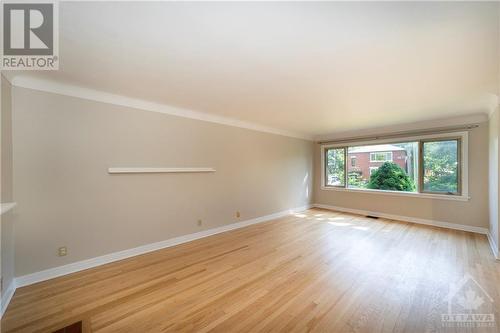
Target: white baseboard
105,259
494,246
478,230
7,296
51,273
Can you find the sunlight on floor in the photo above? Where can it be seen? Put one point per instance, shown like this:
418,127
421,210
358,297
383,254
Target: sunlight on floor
338,220
361,228
340,224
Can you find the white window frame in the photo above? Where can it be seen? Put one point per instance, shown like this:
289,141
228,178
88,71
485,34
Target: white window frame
381,152
464,164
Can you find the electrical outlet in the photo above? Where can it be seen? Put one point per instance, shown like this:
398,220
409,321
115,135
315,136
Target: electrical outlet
200,222
62,251
238,214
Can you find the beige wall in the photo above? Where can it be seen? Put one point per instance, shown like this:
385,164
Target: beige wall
64,145
6,137
473,212
494,129
7,231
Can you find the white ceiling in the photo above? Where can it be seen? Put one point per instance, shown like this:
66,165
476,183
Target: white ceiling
311,68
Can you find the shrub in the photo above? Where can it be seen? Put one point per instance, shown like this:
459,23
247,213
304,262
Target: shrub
392,177
356,181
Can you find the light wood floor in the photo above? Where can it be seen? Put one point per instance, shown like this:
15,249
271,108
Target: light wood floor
316,271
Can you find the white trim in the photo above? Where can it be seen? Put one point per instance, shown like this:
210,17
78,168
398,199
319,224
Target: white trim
441,224
5,207
464,135
465,164
108,258
494,246
159,170
104,97
7,296
399,193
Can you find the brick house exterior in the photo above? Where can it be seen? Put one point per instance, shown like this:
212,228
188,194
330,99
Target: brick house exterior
364,160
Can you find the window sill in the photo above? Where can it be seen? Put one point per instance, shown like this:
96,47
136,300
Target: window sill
397,193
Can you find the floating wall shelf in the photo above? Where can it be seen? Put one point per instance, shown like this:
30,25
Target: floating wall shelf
159,170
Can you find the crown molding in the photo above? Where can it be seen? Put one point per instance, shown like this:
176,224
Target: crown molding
6,77
140,104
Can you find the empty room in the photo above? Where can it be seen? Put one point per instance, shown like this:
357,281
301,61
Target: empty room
250,166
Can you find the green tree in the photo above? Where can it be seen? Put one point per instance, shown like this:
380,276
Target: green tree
441,166
335,166
355,180
391,177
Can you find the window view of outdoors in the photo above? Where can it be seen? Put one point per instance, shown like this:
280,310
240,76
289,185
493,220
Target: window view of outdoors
335,167
441,166
391,167
395,167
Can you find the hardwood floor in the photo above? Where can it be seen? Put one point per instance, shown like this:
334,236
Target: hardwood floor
318,271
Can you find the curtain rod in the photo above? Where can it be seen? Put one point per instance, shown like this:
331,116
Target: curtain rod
402,133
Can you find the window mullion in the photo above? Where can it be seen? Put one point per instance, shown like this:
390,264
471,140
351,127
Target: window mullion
420,162
346,178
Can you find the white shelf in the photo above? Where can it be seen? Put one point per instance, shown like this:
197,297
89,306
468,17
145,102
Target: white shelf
159,170
5,207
